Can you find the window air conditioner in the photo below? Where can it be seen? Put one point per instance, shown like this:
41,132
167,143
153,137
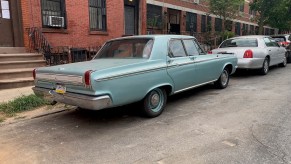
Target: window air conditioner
55,21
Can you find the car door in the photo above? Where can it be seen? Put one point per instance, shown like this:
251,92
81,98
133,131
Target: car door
281,51
272,51
179,65
207,66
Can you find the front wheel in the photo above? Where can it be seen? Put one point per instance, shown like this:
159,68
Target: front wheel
265,68
223,80
154,102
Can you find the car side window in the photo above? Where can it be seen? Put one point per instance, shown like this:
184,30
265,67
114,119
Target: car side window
268,42
200,50
176,48
190,47
275,44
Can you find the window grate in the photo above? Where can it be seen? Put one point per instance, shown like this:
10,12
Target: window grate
97,14
53,10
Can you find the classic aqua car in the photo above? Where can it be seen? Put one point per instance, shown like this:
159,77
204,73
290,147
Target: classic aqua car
144,69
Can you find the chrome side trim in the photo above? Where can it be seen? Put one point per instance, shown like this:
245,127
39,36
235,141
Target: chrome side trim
194,86
60,78
131,73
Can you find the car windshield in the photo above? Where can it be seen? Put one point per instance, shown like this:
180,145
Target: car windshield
126,48
240,42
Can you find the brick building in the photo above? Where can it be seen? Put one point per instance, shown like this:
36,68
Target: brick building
81,23
192,16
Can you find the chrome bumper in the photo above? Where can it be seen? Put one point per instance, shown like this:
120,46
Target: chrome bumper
83,101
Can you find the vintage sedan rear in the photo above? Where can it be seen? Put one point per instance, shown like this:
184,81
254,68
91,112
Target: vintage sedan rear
144,69
254,52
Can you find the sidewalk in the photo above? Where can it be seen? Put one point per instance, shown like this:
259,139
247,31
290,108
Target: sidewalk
10,94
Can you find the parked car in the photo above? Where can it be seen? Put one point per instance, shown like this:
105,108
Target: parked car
285,41
145,68
254,52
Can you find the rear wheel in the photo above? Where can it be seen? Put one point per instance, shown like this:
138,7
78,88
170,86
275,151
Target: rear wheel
284,63
154,102
223,80
265,68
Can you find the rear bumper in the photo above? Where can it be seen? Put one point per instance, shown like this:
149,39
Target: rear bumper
250,63
83,101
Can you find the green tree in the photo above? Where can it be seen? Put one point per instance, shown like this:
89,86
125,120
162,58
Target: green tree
280,15
225,9
269,12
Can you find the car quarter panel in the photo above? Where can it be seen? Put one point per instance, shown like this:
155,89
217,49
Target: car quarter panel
133,84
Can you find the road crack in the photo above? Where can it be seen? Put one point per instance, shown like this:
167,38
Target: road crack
270,150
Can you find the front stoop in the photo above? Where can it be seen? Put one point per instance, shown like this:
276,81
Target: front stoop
16,67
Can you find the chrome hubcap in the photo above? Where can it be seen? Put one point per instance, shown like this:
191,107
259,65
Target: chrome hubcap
155,100
266,67
224,78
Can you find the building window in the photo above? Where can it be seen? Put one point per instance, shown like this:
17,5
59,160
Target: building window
97,14
191,22
237,28
154,16
209,23
218,24
242,8
228,25
53,13
203,23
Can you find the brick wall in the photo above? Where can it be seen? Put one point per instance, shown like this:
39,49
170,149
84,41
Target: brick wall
78,32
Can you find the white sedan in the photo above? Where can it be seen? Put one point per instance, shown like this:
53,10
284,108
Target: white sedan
254,52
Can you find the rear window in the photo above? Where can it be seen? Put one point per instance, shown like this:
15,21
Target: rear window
241,42
126,48
279,39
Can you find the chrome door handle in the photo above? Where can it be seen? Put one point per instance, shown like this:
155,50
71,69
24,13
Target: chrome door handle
192,57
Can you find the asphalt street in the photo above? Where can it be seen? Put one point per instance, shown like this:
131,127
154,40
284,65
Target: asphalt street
248,122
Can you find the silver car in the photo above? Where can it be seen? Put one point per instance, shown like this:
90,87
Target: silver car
254,52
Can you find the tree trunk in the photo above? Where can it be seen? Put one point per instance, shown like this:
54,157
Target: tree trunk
261,25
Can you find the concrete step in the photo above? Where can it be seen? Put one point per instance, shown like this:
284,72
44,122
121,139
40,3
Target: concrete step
20,57
16,83
22,64
16,73
12,50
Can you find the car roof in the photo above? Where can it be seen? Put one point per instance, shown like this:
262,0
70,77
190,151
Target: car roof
153,37
250,36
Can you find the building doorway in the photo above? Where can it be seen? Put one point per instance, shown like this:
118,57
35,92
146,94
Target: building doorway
11,32
6,39
131,17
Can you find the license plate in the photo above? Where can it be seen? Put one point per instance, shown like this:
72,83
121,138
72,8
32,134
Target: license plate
61,89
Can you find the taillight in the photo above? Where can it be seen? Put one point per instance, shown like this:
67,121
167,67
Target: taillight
285,44
248,54
87,77
33,74
209,52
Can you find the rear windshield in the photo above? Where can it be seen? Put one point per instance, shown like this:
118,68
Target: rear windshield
240,42
126,48
279,38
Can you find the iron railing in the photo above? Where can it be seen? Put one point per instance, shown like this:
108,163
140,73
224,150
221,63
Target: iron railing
58,54
38,42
